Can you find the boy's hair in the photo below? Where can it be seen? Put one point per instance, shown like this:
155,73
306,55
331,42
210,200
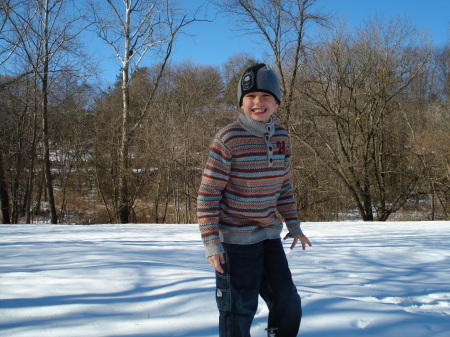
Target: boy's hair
259,78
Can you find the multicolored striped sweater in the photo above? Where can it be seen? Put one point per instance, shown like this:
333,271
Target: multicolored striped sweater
245,182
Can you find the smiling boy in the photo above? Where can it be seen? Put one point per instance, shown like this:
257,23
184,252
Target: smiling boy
245,185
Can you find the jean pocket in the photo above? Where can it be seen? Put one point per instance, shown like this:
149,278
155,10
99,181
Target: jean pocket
222,291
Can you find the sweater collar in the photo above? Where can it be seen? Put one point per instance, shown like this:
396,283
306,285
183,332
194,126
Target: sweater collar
257,128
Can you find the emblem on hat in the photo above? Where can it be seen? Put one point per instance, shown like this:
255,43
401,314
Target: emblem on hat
248,80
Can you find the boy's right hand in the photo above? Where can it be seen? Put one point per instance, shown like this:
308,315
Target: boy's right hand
216,261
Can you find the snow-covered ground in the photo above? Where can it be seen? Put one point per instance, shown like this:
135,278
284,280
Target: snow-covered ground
358,279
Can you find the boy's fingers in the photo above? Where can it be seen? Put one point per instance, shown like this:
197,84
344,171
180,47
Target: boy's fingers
215,261
294,243
303,239
308,242
305,242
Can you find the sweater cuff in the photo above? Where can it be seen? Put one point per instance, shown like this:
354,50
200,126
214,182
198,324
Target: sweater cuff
295,230
213,249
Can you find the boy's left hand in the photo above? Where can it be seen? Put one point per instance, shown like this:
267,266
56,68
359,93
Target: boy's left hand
303,239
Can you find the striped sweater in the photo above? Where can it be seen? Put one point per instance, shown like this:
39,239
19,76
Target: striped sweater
245,182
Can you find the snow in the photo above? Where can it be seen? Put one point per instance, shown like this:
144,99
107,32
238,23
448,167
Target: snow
358,279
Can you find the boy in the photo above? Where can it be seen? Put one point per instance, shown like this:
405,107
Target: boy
245,182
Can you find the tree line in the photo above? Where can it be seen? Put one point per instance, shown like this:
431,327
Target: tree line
367,110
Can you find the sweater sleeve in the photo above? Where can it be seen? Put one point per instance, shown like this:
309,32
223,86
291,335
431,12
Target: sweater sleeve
214,179
287,206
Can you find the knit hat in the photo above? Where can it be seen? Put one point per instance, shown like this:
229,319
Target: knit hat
259,78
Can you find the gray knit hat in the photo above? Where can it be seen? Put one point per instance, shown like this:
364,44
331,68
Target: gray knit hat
259,78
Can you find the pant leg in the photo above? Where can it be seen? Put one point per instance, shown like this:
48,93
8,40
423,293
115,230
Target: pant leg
238,288
279,291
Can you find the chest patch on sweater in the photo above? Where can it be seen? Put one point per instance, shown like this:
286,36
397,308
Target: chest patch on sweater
281,147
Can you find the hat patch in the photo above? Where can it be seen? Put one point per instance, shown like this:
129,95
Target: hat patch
248,80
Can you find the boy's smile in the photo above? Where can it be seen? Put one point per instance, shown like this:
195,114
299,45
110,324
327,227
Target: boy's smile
259,106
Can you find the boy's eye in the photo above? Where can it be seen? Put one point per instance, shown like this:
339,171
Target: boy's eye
262,96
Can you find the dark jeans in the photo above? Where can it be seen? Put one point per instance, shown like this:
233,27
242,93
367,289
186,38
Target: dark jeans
249,271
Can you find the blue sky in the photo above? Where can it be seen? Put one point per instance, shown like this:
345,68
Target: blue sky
214,42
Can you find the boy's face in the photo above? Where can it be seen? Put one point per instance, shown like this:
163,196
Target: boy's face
259,106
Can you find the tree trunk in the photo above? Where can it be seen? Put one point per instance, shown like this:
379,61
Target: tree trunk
4,198
124,164
29,191
124,208
15,184
45,132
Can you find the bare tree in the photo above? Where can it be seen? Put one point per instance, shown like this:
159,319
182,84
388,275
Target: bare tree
6,51
428,121
132,29
8,45
356,88
48,38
